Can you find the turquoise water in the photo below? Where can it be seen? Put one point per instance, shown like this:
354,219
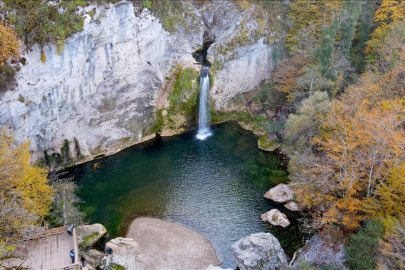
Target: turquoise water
214,186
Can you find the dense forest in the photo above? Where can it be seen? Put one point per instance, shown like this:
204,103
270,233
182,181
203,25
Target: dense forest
343,81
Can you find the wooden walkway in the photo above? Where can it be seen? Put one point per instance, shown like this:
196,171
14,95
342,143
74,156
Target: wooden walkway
51,251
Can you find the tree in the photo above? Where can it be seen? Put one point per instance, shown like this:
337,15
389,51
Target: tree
389,12
391,254
364,246
9,43
25,196
64,210
284,78
357,149
301,128
389,196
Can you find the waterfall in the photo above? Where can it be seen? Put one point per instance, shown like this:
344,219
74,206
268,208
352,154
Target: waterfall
204,112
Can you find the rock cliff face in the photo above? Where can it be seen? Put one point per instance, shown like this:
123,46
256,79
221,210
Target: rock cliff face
99,95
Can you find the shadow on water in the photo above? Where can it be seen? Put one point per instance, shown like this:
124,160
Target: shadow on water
214,186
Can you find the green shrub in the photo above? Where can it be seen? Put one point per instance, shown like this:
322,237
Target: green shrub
363,247
147,4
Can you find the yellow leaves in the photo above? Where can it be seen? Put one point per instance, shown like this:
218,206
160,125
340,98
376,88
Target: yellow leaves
36,192
9,44
390,11
25,195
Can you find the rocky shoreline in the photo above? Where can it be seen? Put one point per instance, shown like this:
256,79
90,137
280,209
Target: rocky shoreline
156,244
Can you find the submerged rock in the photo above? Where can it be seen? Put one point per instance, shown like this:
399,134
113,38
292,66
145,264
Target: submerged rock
87,235
259,251
269,142
276,218
280,193
324,249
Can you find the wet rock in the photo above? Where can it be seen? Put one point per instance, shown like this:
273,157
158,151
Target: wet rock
280,193
276,218
324,249
259,251
293,206
87,235
269,142
119,245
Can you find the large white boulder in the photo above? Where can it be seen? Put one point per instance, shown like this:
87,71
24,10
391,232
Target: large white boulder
87,235
276,218
259,251
280,193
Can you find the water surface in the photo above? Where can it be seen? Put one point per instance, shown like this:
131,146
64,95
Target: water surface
214,186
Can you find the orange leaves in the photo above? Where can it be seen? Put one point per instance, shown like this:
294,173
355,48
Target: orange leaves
9,43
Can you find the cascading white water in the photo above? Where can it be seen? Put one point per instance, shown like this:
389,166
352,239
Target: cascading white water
204,112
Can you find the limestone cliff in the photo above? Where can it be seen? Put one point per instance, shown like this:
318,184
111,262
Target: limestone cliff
99,95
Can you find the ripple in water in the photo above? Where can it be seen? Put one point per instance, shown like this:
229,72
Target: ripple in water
214,186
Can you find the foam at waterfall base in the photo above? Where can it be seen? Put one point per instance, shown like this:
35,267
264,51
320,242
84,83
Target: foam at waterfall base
203,134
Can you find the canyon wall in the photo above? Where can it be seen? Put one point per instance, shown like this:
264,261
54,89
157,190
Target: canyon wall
99,95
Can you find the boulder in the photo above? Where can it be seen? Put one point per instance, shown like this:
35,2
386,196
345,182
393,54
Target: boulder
293,206
276,218
87,235
269,142
280,193
324,249
259,251
95,254
119,245
113,262
211,267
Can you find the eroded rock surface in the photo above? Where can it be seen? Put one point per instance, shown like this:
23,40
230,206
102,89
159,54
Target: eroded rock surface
99,95
119,245
87,235
276,218
324,249
259,251
280,193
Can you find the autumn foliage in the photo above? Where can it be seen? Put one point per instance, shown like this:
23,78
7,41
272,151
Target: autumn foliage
25,196
9,43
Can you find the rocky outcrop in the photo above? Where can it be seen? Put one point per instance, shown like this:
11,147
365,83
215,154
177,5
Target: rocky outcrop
119,245
87,235
114,262
259,251
276,218
99,95
324,249
280,193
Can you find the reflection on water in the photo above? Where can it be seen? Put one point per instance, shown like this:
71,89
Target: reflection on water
214,186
